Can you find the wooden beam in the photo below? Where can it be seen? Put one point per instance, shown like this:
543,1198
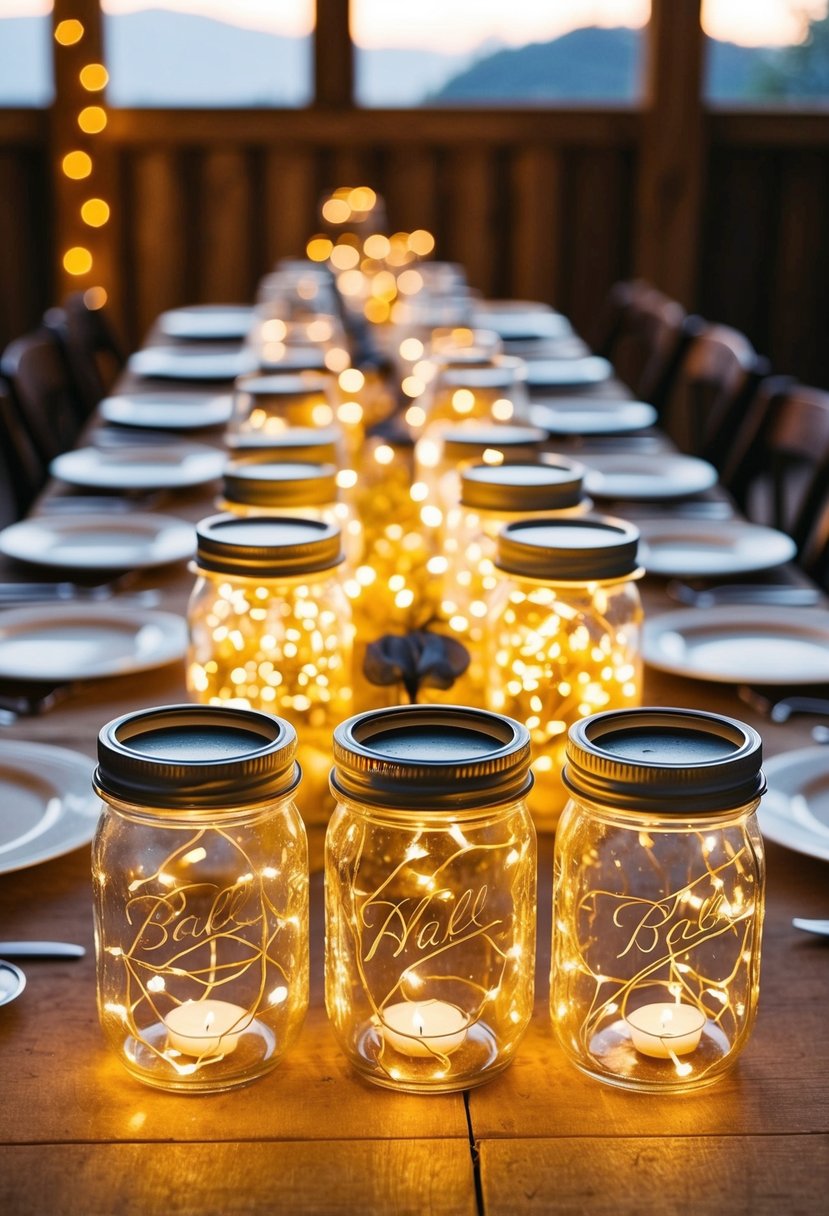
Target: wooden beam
333,56
671,152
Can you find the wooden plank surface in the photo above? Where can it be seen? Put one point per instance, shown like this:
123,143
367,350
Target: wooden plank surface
240,1178
674,1176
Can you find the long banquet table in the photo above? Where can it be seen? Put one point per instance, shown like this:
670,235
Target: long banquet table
79,1136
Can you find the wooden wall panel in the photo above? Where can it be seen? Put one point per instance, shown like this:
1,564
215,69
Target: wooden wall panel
536,186
473,214
26,239
291,198
226,236
410,188
161,217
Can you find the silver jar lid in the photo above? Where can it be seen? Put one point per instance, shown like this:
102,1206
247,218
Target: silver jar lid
295,443
522,486
277,484
279,386
431,758
196,757
470,442
569,550
262,546
664,761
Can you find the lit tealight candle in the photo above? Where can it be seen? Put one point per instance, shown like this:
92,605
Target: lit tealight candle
424,1028
206,1028
665,1030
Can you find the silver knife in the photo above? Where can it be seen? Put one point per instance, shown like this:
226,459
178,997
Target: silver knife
41,950
812,926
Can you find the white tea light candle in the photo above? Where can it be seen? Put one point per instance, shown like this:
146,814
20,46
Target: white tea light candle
206,1028
424,1028
663,1030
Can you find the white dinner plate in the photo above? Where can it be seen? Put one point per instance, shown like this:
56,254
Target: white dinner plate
208,322
591,416
191,363
736,643
794,810
64,642
644,475
140,467
520,320
49,806
168,411
696,548
99,542
568,373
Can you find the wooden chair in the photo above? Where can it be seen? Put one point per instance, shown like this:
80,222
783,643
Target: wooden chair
643,332
717,378
37,371
778,470
93,352
24,474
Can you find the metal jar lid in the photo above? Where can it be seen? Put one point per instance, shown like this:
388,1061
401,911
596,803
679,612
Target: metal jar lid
470,442
664,761
295,443
522,486
278,386
501,371
431,758
196,757
263,546
569,550
277,484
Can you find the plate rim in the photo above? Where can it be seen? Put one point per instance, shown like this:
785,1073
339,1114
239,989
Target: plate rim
570,362
70,758
651,491
58,468
616,425
724,614
692,527
173,627
57,523
795,836
111,411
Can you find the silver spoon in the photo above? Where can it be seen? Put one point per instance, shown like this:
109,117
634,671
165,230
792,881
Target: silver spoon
41,950
12,982
812,926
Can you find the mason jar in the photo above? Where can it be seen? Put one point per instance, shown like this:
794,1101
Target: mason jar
658,897
492,496
430,879
296,490
266,404
200,875
292,444
270,629
563,635
492,391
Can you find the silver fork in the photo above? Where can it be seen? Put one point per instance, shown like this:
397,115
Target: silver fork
780,594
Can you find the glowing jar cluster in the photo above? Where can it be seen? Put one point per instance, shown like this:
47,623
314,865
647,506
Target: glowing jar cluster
292,489
430,896
270,628
658,897
200,874
563,636
492,496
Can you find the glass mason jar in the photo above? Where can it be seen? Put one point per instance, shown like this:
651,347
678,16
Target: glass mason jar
200,874
270,629
658,897
492,496
266,404
563,635
292,444
430,896
492,391
299,490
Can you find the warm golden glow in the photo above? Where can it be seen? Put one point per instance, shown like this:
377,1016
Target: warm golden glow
421,242
77,260
95,212
77,165
94,77
68,32
319,248
336,211
95,298
92,119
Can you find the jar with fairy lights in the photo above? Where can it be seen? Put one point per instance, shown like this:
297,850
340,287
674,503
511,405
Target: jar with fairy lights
270,629
266,404
440,452
200,875
430,879
658,897
493,391
297,490
563,635
290,444
492,496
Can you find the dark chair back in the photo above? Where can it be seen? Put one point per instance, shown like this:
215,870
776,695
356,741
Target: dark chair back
24,473
92,350
36,369
643,333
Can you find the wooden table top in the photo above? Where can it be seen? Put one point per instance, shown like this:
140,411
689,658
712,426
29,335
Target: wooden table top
80,1136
